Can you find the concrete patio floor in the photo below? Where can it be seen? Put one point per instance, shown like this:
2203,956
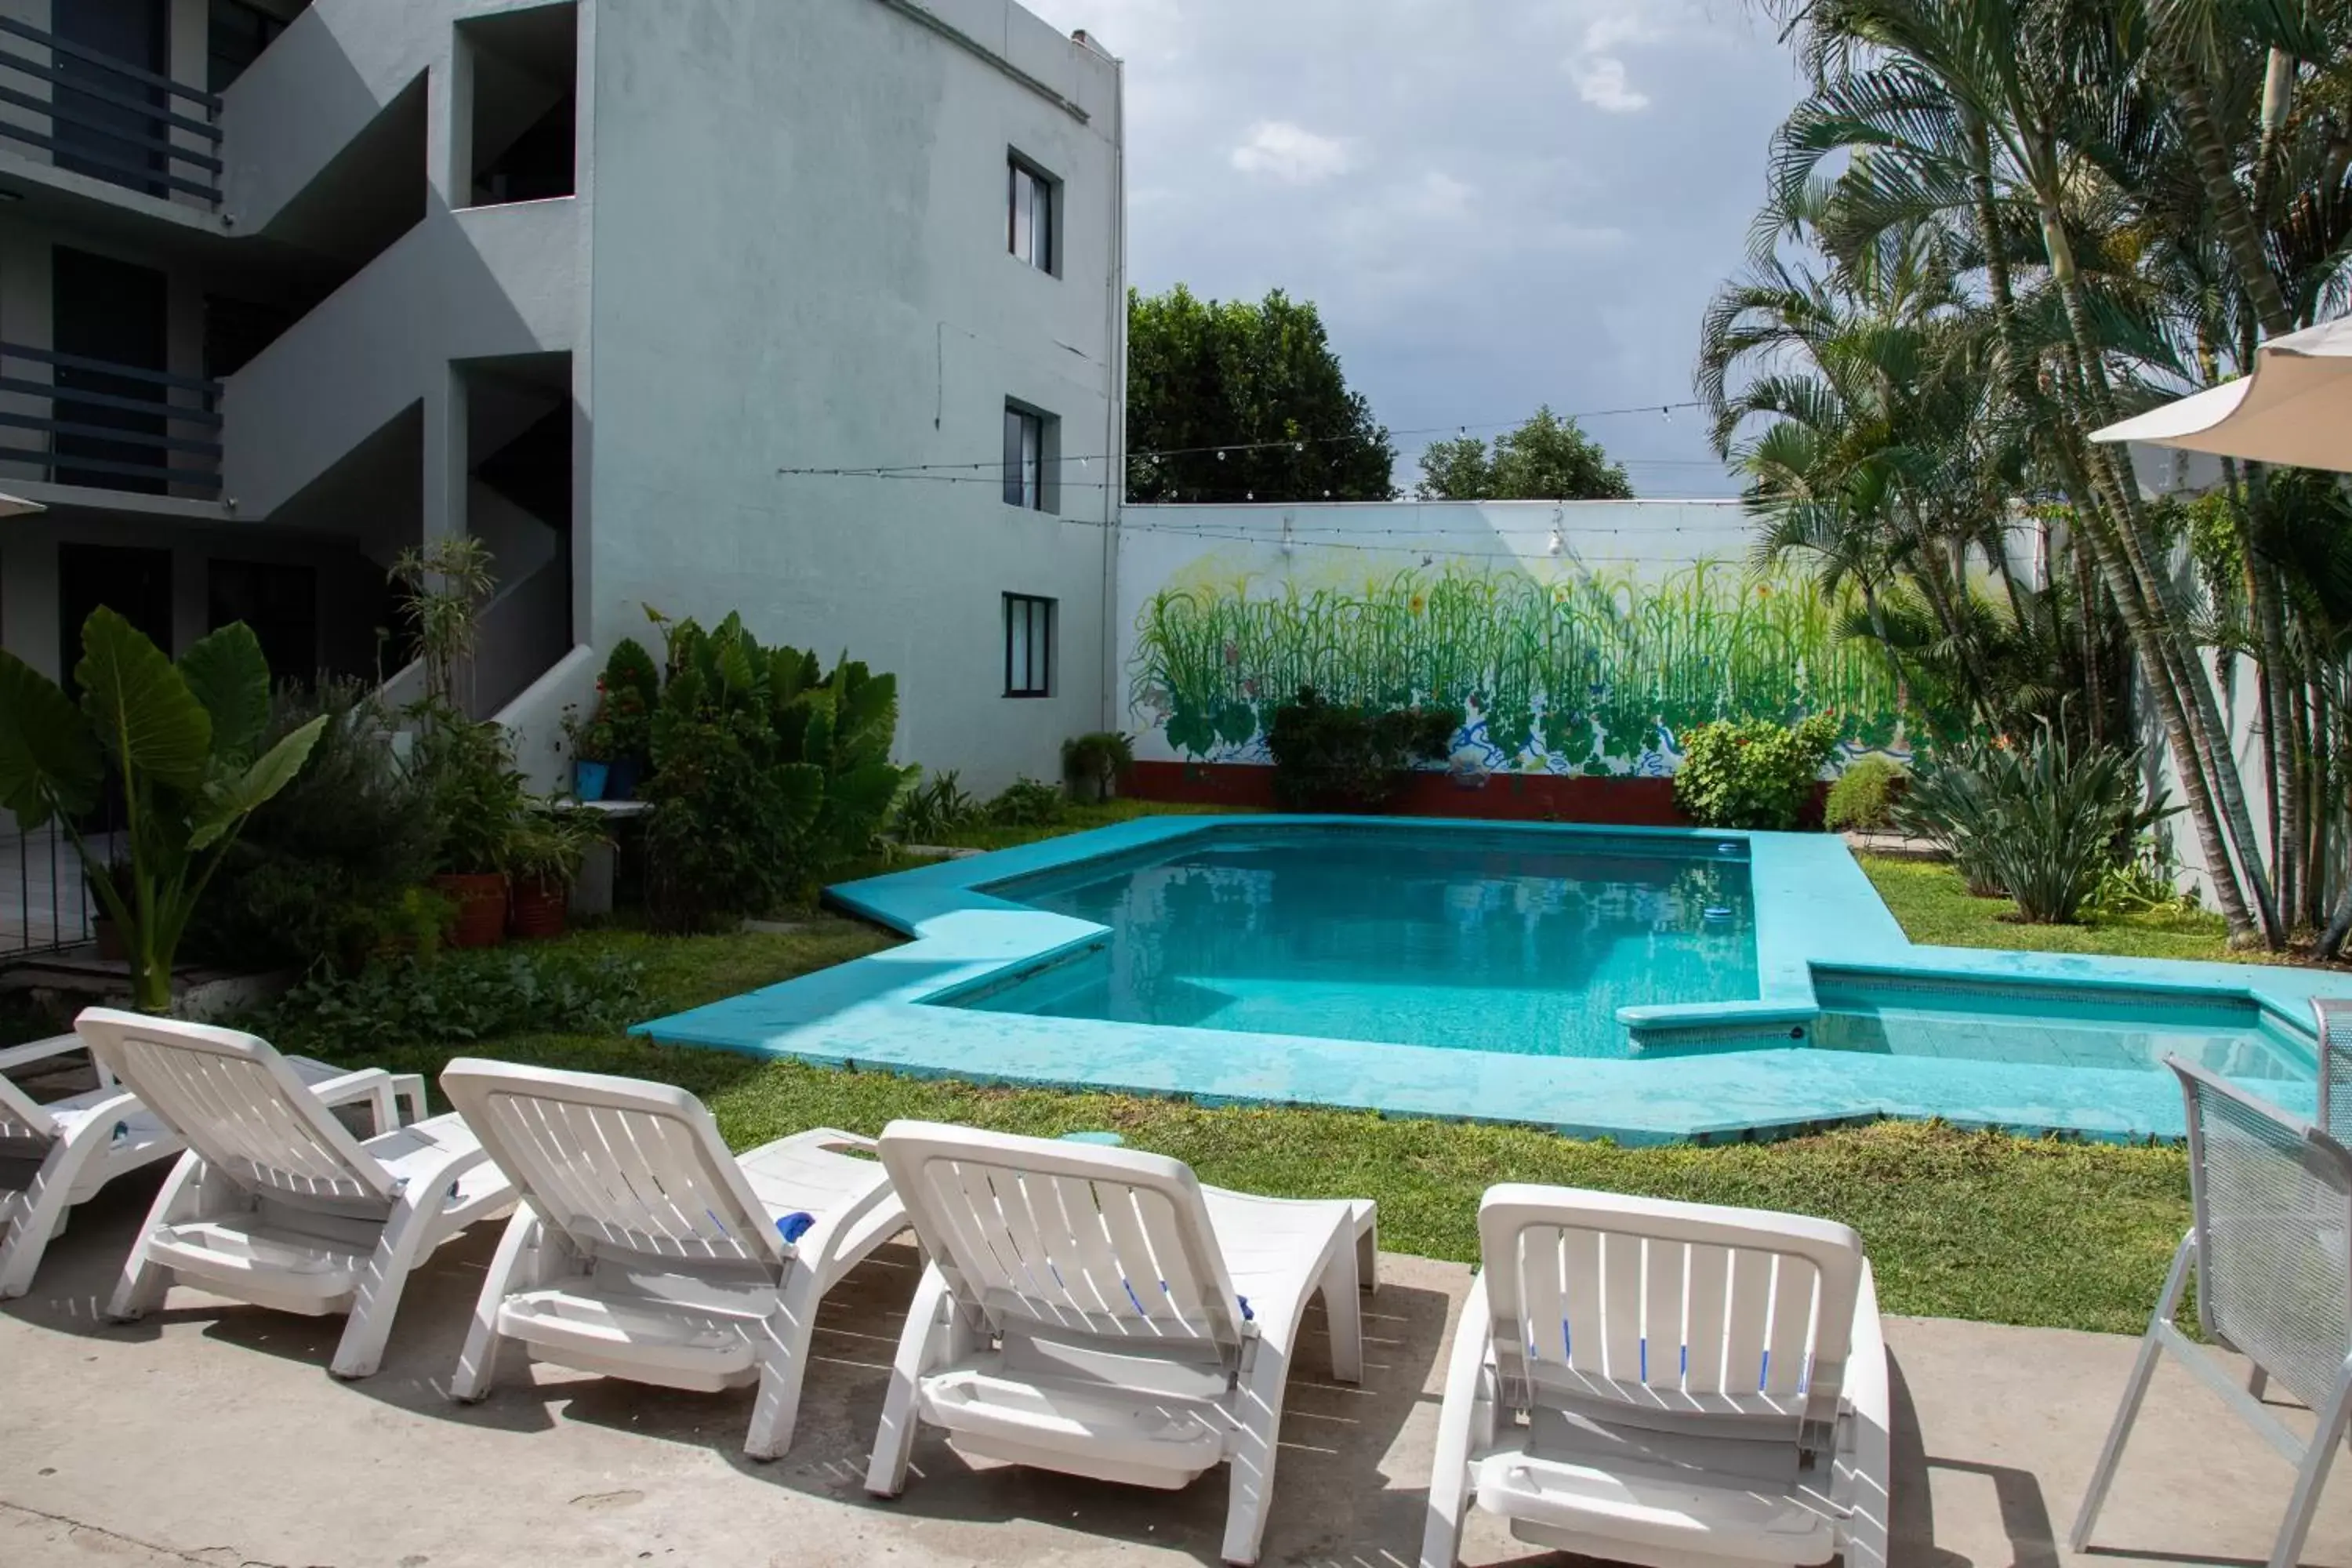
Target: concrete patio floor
212,1434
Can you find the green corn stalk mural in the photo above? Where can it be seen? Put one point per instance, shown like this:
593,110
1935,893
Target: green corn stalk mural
1584,671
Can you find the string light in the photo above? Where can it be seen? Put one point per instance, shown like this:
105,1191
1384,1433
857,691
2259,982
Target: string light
1298,444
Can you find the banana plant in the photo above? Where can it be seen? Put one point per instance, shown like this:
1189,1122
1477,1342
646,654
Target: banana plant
181,739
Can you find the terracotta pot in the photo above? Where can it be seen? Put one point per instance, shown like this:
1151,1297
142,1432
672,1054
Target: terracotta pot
481,901
536,909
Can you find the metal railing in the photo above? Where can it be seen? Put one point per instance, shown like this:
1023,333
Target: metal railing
45,904
117,120
84,436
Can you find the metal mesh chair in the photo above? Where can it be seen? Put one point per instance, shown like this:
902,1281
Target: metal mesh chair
2335,1017
2271,1246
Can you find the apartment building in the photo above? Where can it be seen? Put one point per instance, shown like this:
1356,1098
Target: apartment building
287,286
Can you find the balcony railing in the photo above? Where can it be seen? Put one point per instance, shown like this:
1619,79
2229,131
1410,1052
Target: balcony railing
109,119
108,426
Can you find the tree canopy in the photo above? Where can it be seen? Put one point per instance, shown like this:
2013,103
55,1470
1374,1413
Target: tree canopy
1547,459
1248,403
1992,227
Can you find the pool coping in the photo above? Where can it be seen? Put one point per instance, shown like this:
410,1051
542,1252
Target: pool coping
1816,911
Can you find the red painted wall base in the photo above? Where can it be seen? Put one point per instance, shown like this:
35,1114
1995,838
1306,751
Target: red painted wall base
1515,797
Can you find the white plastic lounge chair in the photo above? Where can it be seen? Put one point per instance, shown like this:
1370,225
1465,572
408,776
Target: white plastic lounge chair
1666,1383
1100,1313
56,1155
643,1249
275,1203
2271,1243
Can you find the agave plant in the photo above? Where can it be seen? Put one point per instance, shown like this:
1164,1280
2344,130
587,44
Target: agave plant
2044,823
181,739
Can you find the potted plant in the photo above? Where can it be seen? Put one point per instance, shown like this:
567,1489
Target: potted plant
480,801
591,741
117,875
544,859
1094,764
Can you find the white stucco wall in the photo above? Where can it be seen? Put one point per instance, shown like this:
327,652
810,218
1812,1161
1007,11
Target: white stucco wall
800,260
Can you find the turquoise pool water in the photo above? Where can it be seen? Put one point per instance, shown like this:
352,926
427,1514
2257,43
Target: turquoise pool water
2040,1026
1469,941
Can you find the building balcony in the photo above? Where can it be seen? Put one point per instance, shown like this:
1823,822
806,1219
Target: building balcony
73,421
107,119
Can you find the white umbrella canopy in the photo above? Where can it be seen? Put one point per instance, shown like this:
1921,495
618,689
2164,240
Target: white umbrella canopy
2295,408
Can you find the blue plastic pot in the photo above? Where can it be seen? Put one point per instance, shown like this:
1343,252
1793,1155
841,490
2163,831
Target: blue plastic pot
588,779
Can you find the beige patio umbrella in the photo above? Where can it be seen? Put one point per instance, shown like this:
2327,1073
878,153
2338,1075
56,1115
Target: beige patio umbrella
2295,408
13,506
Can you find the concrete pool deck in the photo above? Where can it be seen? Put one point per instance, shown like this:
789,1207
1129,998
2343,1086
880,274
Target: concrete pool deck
1714,1070
212,1435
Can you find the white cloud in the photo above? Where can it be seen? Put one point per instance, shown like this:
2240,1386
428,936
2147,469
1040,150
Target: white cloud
1292,153
1601,82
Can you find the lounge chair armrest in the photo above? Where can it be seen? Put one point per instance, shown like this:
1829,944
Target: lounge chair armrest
372,1084
25,1056
838,1229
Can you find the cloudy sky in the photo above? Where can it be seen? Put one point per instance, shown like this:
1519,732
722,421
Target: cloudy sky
1495,203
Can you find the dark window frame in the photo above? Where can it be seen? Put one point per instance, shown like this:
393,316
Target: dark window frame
1025,463
1022,176
1035,615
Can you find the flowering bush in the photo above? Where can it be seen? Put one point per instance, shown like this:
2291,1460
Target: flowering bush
1756,774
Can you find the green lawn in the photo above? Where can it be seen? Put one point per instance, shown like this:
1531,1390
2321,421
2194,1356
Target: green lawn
1957,1224
1933,905
1078,819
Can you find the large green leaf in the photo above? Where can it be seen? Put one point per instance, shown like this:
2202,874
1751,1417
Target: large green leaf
140,706
47,753
800,795
231,678
865,719
226,805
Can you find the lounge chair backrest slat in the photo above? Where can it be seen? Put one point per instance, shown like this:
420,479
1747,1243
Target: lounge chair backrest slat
1602,1298
2272,1198
1062,1239
628,1170
1709,1284
242,1107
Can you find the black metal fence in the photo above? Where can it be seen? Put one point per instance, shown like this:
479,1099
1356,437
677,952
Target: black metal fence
114,426
108,118
44,902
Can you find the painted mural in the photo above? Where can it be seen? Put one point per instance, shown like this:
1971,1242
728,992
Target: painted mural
1557,668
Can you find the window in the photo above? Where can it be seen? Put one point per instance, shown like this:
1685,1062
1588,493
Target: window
1024,457
1028,646
1029,214
279,602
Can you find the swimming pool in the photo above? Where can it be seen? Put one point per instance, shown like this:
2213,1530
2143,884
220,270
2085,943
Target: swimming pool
1465,941
1645,985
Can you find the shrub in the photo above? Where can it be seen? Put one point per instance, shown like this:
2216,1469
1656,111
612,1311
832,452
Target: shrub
474,995
326,872
1094,764
479,801
938,807
1862,798
2044,823
631,690
768,772
1028,803
1756,774
1349,757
